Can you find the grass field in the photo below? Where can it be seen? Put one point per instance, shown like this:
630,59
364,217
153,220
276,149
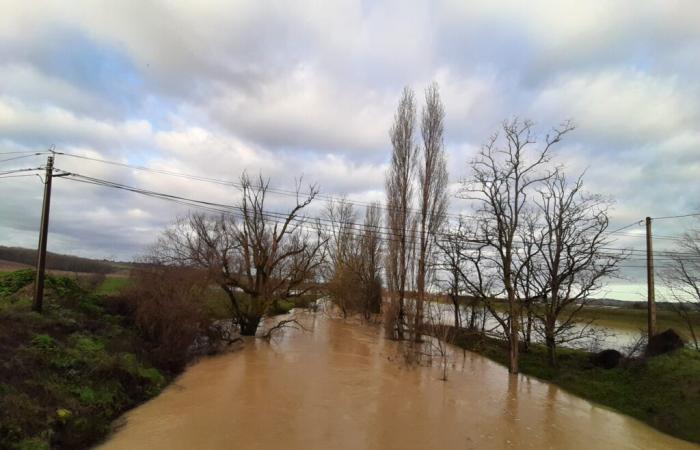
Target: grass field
112,285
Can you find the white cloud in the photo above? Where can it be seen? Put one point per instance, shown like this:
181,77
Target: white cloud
628,107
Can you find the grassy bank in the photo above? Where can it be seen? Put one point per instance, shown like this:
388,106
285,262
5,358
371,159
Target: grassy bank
67,373
663,391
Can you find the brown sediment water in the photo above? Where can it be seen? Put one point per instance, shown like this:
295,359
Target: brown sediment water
341,386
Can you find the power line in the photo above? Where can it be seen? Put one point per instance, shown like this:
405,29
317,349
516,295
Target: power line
280,191
617,230
18,153
385,231
7,172
274,190
20,157
680,216
17,176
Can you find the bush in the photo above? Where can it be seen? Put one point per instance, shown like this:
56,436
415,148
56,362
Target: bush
168,307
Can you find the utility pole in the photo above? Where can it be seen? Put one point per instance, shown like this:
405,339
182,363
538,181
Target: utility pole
38,302
651,301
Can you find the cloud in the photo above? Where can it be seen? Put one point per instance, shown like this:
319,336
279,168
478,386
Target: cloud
290,88
623,107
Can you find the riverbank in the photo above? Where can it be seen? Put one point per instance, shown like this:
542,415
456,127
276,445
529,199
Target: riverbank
69,372
663,391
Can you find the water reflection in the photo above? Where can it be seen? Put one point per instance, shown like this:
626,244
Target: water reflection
343,387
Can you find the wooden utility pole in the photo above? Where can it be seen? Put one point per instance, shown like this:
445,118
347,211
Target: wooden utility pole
38,302
651,301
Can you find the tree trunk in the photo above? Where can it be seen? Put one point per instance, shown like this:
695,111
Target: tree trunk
551,348
513,363
249,324
528,329
514,335
458,320
418,320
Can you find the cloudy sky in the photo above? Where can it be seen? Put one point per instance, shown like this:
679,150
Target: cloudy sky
291,88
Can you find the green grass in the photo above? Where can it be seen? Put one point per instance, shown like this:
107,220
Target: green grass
663,391
11,282
112,285
68,372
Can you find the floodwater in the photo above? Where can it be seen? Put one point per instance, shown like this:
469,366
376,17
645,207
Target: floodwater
605,336
341,386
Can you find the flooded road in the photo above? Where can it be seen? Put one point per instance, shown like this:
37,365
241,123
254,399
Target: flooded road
342,387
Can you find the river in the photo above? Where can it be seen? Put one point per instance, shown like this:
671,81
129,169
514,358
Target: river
342,386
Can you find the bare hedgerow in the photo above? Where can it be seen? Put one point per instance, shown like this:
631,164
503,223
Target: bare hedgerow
168,307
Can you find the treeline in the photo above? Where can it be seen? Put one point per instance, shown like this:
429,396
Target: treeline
531,248
55,261
530,253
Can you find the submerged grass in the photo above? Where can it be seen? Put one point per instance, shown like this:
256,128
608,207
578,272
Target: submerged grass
68,372
663,391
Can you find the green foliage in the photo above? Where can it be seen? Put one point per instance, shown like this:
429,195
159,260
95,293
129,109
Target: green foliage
67,373
112,286
64,286
33,444
280,307
43,342
14,281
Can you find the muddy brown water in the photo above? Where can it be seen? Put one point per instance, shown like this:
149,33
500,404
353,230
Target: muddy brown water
343,387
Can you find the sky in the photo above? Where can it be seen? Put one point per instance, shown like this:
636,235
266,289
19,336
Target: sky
309,88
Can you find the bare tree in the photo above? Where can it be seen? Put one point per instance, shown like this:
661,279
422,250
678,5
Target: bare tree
452,249
504,173
441,337
683,281
257,257
432,192
343,256
570,261
400,190
354,279
371,251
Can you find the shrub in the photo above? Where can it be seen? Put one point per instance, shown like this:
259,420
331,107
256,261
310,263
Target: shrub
169,308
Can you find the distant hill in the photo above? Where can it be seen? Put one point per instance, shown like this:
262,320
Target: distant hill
56,261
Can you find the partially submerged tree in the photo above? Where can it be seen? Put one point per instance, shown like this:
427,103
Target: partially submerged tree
353,270
432,193
342,276
683,281
504,173
256,256
371,267
569,261
400,191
